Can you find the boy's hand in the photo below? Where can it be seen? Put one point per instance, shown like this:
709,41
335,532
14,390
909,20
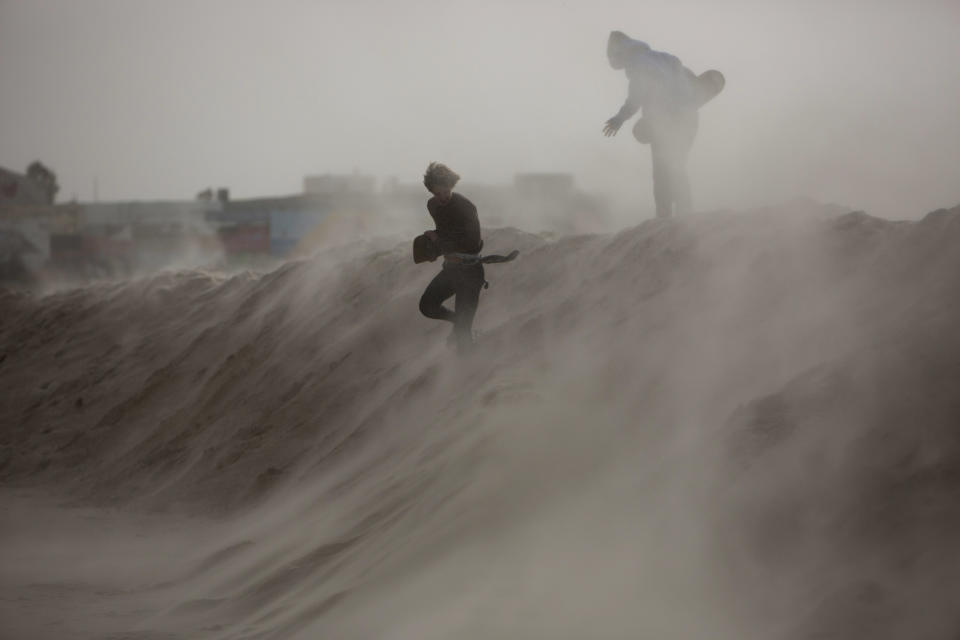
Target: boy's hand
612,125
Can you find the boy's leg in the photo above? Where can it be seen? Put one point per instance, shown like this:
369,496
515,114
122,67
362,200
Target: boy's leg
469,282
682,189
662,179
439,289
686,133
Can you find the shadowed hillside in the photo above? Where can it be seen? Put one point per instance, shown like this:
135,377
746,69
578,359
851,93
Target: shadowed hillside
727,425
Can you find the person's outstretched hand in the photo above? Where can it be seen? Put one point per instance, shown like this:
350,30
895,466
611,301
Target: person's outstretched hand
611,126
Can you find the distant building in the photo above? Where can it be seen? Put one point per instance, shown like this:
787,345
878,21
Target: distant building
331,183
121,236
555,185
27,222
18,189
86,240
15,252
244,226
337,211
538,201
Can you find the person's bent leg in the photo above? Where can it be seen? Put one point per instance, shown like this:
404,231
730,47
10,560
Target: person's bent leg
431,302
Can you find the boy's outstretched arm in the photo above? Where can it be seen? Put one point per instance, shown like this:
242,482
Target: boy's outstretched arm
627,111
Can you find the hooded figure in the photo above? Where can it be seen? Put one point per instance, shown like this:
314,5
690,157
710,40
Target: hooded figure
670,95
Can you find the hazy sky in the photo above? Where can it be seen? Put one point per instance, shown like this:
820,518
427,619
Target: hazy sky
850,102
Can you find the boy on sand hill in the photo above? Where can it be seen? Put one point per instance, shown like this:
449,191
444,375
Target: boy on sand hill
670,95
457,239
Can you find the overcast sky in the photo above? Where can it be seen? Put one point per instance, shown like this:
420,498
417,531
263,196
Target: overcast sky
849,102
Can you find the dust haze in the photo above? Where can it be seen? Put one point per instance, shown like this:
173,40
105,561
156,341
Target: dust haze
737,423
838,102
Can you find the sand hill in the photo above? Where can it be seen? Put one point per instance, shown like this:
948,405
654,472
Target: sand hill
734,425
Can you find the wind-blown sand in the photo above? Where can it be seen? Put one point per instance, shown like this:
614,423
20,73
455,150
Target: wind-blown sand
731,425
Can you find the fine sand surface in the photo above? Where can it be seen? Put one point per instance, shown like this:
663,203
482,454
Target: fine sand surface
730,425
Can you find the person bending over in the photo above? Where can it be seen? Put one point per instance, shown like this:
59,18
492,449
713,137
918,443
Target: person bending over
670,95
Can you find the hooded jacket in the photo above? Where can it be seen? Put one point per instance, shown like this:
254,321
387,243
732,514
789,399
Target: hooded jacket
659,83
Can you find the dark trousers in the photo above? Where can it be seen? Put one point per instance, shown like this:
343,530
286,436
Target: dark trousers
671,140
465,283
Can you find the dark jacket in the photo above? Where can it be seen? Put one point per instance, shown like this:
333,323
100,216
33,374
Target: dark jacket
458,226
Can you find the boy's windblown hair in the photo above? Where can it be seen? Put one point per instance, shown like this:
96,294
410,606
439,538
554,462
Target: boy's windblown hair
439,175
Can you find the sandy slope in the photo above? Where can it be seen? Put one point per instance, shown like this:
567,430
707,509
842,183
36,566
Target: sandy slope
731,425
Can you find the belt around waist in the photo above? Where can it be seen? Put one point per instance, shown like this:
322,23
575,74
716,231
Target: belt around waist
467,259
462,258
